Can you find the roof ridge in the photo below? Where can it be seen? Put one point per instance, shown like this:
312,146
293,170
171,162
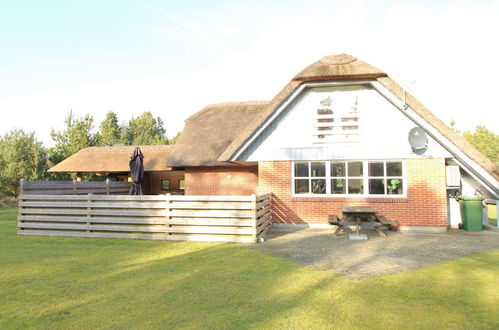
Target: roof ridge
227,105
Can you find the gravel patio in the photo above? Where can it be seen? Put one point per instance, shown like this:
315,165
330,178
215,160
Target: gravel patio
377,256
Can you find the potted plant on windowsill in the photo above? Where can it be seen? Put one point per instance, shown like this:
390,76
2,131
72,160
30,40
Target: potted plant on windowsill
394,186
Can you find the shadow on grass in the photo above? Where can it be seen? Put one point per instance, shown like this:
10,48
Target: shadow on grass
101,283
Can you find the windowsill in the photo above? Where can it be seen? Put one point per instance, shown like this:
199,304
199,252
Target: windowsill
368,199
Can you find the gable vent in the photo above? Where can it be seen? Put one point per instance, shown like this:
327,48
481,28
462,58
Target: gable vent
336,125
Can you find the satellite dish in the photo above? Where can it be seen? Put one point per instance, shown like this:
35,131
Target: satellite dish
418,140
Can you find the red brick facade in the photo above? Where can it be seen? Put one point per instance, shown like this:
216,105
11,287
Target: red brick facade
222,180
425,204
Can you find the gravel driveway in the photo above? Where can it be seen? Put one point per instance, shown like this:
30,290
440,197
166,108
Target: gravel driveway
399,252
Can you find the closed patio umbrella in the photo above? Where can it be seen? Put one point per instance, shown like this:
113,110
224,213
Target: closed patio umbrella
137,171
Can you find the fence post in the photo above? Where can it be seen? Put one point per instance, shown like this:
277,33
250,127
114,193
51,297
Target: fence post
168,209
19,202
89,208
107,186
74,186
21,187
253,218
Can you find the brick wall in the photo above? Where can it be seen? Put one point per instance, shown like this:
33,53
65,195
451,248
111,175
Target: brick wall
425,204
222,180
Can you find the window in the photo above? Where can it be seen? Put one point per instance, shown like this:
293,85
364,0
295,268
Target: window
310,177
385,178
181,184
348,178
165,184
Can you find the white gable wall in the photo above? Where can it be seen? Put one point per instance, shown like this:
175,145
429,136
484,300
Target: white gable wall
383,130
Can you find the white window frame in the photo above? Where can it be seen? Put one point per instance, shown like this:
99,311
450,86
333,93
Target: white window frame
365,178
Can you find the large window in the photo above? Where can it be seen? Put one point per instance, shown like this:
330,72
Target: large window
348,178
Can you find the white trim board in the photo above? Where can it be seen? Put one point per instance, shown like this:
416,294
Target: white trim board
470,166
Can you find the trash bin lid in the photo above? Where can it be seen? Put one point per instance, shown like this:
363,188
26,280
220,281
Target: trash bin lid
469,198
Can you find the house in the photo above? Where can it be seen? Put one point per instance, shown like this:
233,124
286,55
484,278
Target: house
341,132
113,163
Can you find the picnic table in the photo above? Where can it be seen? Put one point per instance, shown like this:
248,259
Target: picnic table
360,217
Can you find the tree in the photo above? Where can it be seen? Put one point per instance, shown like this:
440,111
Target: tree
485,141
21,156
75,136
174,139
144,130
109,130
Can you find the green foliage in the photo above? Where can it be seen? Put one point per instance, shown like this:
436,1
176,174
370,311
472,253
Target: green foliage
394,184
109,131
174,139
75,136
485,141
21,156
144,130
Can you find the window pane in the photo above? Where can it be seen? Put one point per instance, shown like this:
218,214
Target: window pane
337,169
318,168
301,169
318,186
354,168
301,186
395,187
355,186
165,184
376,169
338,186
394,169
377,186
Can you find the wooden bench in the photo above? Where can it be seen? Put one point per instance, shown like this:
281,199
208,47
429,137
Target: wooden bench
378,223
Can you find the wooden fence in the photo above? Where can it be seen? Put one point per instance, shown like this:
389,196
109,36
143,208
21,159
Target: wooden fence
73,187
163,217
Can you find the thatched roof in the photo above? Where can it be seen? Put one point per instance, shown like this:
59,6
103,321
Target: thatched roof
113,159
208,133
230,126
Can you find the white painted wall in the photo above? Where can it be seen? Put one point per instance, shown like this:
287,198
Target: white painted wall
384,130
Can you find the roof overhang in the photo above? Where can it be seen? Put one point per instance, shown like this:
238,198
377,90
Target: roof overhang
469,165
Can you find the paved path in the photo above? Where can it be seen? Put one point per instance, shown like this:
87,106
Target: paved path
319,248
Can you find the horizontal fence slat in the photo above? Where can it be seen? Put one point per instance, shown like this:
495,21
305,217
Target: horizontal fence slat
211,214
262,230
210,230
94,204
212,238
92,234
211,222
142,220
78,185
263,219
118,228
122,212
263,211
119,220
210,198
94,197
211,205
77,192
262,204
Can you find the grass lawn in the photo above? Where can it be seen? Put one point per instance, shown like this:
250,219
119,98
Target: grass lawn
65,283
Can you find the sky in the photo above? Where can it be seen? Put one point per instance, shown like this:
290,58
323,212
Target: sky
172,58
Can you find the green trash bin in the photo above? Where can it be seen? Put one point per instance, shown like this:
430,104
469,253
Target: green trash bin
471,212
